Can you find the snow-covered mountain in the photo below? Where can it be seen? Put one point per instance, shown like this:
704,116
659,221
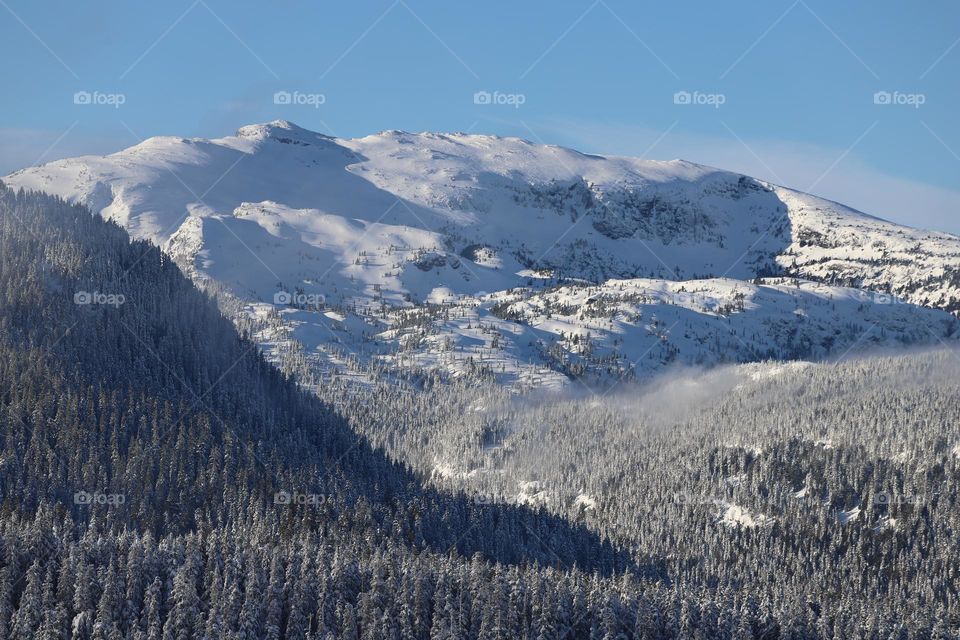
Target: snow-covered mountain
456,252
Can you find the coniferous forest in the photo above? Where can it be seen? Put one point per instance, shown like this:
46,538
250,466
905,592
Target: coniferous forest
160,479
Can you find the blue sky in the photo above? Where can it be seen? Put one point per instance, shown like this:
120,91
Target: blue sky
784,90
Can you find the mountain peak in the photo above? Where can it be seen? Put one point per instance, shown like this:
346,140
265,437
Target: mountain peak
280,130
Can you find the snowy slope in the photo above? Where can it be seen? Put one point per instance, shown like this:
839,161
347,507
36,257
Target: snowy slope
458,252
628,326
835,244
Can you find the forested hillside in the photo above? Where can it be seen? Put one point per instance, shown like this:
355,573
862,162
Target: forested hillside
132,410
829,491
160,480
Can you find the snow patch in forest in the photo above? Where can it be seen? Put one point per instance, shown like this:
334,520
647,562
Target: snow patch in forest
886,523
532,493
733,515
445,471
846,517
585,501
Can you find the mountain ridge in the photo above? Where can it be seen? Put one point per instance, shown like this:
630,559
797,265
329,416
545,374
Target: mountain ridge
395,223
